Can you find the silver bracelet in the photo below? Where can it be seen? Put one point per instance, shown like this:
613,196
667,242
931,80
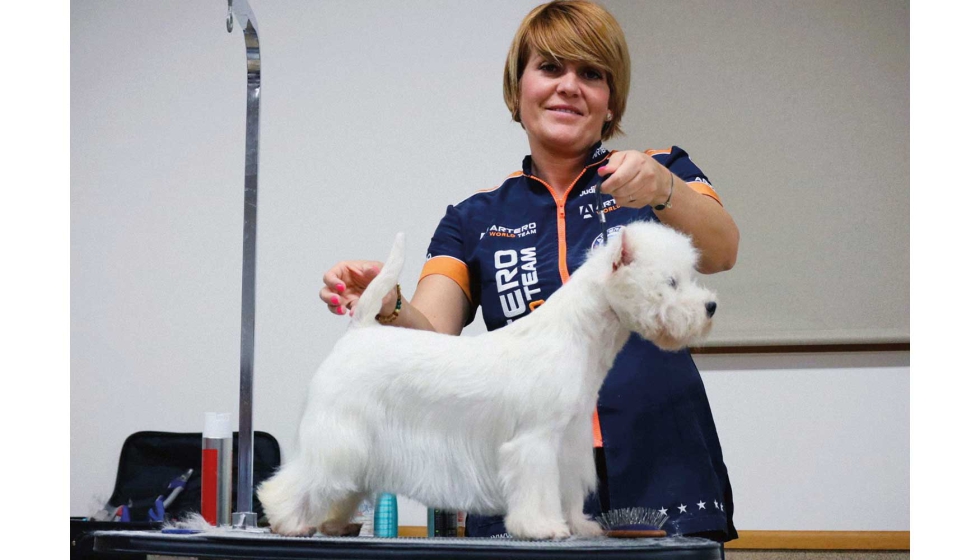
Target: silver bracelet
666,203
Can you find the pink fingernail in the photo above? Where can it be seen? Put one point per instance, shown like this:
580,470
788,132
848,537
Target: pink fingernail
340,287
334,300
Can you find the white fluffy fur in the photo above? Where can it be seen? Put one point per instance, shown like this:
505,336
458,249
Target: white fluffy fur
494,424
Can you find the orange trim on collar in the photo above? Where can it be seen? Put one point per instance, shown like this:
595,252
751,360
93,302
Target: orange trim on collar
560,204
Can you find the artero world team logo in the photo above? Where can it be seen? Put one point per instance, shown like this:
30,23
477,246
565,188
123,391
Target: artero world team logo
611,232
501,231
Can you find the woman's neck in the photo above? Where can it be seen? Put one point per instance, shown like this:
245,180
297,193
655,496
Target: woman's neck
557,169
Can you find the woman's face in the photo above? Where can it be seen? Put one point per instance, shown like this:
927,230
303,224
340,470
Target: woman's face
563,105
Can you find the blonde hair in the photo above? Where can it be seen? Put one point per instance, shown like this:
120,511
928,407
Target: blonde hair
578,31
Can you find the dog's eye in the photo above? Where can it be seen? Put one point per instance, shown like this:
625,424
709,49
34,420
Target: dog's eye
672,282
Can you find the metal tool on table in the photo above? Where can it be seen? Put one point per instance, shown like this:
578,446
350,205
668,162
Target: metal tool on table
175,487
598,208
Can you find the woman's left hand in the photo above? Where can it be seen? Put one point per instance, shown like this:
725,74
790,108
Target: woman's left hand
635,179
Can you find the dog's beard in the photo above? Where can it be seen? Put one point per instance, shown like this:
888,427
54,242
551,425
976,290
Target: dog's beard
673,327
666,340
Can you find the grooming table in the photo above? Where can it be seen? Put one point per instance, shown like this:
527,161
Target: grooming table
255,543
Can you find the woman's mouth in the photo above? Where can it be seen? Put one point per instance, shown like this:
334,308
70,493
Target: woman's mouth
566,110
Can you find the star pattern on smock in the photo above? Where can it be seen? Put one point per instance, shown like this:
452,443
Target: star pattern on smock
701,505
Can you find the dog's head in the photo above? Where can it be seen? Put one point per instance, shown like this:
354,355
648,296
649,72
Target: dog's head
651,286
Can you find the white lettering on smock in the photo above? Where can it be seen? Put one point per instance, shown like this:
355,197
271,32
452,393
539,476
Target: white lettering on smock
515,290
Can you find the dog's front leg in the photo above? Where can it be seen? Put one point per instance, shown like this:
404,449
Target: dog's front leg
578,477
530,478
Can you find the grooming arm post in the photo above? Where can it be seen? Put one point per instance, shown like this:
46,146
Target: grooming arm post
244,518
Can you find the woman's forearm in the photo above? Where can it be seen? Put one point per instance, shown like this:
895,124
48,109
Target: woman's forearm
707,222
438,305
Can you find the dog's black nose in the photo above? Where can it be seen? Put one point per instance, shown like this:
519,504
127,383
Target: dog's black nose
711,306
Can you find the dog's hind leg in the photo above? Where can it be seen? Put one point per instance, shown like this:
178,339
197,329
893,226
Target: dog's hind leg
287,501
530,480
307,493
339,514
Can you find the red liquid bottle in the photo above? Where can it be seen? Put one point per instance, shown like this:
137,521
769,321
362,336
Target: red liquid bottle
216,458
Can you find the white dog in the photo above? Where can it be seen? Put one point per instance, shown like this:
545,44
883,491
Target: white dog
494,424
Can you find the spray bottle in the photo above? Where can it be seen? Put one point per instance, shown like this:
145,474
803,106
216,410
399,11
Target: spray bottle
216,458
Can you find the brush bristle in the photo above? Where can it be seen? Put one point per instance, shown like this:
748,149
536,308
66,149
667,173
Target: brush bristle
632,517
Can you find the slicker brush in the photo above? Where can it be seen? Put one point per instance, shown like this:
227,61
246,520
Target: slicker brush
633,523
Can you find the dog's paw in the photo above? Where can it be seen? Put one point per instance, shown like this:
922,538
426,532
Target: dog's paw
585,527
537,529
301,532
285,531
344,529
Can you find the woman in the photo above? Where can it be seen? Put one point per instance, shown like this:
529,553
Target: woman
566,81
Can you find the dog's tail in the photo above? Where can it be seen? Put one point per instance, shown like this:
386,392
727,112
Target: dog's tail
369,305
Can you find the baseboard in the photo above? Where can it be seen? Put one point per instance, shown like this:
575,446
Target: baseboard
404,531
789,540
821,540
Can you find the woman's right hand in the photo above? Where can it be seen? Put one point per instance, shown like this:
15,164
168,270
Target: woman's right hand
345,282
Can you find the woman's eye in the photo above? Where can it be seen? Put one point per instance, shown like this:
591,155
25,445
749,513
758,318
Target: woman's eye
592,74
549,67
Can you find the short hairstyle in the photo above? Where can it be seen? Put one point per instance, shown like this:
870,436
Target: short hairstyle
578,31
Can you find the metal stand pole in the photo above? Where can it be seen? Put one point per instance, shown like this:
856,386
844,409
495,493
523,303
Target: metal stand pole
244,518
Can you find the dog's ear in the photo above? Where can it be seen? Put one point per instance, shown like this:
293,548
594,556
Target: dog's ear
625,253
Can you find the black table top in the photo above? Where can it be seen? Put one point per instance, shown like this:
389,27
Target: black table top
227,543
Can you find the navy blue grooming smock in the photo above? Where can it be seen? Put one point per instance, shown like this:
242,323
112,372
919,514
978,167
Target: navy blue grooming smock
509,248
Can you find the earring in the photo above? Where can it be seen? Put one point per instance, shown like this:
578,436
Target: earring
609,116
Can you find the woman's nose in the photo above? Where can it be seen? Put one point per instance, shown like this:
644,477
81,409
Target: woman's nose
568,83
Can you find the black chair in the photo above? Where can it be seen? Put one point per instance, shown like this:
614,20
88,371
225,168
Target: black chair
148,462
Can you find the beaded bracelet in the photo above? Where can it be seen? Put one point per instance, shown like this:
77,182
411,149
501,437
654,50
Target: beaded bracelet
387,320
666,203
